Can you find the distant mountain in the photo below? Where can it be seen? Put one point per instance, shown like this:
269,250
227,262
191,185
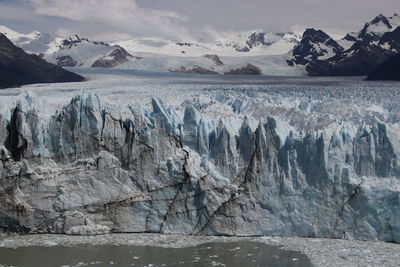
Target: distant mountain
73,51
268,43
236,49
313,52
357,54
34,42
375,29
252,43
19,68
389,70
225,55
315,45
76,52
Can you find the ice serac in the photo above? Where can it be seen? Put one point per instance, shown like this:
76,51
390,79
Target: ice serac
92,168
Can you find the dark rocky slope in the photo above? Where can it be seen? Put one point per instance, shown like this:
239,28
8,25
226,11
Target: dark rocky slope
387,71
113,59
249,69
19,68
194,70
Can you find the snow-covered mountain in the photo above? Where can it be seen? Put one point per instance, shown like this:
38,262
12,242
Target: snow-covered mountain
72,51
244,44
315,45
238,53
76,52
34,42
380,25
251,43
253,52
355,54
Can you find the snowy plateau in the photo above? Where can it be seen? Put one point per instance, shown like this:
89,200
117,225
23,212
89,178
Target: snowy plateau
141,152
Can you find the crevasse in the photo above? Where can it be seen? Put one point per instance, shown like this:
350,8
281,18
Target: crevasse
92,169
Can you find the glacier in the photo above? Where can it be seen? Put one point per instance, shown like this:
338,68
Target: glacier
275,162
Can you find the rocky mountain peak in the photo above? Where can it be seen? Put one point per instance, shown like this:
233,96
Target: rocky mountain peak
314,35
73,40
351,37
357,54
115,58
380,19
257,39
315,44
374,29
320,37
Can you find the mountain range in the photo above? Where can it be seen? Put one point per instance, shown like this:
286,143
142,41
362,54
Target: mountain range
357,54
312,52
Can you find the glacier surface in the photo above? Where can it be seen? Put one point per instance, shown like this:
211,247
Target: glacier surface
222,157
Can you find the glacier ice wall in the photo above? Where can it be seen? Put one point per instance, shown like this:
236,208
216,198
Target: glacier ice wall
90,168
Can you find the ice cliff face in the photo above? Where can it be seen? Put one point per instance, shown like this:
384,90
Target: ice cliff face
90,168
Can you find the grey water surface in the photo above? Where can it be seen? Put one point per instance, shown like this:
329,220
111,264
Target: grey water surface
211,254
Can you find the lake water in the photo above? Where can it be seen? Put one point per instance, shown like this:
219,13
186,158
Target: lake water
231,254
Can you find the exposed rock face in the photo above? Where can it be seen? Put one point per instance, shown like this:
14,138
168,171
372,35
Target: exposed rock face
91,169
257,39
374,29
66,61
362,60
391,40
387,71
262,40
249,69
215,58
77,52
194,70
350,37
115,58
19,68
314,45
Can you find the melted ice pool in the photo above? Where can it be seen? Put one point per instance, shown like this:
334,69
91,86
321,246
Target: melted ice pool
211,254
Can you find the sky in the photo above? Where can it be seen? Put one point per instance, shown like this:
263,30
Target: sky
187,20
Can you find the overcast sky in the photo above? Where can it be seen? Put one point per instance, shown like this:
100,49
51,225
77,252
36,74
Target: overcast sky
188,19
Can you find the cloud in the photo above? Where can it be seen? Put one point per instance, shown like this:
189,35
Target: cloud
15,12
187,20
124,16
